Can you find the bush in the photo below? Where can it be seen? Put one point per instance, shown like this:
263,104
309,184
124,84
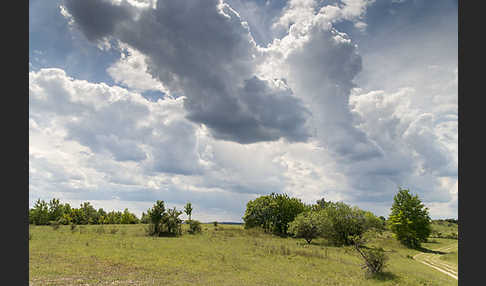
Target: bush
73,227
194,226
305,225
113,230
215,223
339,221
375,260
452,236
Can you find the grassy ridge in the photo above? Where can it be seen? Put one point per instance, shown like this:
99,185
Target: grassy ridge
228,255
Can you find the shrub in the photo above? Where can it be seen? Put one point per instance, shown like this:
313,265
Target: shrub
375,259
215,223
339,221
194,226
73,227
305,225
113,230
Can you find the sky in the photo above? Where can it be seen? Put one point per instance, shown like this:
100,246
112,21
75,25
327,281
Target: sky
218,102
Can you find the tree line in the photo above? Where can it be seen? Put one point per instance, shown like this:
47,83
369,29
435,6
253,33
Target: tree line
54,212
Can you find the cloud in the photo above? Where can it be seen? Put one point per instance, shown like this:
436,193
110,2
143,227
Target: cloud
319,64
204,51
113,121
207,115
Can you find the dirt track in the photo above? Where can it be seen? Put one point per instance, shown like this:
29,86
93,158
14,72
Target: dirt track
432,260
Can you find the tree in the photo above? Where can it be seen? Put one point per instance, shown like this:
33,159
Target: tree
171,223
56,210
409,219
128,218
145,219
156,213
305,225
339,222
374,258
272,212
39,214
188,210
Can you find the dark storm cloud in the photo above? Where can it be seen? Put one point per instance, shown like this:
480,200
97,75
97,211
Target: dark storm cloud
203,50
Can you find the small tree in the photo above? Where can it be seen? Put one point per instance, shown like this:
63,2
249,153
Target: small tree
39,215
188,210
305,225
171,223
409,219
375,259
156,213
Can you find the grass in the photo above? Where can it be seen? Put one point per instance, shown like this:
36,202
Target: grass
228,255
444,227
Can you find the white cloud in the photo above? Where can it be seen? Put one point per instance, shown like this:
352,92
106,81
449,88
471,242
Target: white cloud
311,123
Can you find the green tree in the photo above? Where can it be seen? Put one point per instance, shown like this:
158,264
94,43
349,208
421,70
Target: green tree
339,222
156,213
145,219
39,215
128,218
305,225
272,212
56,210
409,219
171,223
188,210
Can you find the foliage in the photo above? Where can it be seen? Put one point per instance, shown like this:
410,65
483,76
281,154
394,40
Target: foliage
375,259
43,213
272,212
194,226
145,219
39,214
215,223
163,222
171,223
128,218
306,225
188,210
339,221
409,219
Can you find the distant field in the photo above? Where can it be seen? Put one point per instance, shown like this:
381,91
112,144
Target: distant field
228,255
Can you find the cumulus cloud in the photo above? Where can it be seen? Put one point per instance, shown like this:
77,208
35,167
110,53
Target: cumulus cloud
113,121
239,119
204,51
319,64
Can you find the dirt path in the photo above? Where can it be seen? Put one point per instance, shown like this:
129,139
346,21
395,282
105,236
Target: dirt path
433,260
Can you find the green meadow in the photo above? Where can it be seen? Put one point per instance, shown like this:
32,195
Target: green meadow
223,255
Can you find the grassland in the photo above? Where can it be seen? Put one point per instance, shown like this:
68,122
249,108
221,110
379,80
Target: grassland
228,255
